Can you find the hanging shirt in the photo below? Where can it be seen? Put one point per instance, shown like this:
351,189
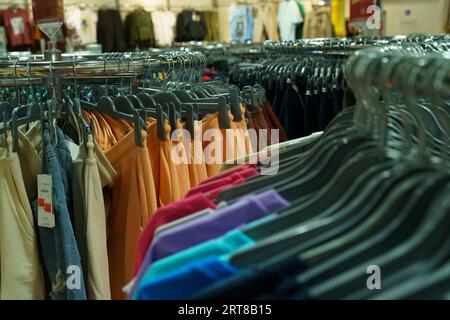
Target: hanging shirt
17,26
318,23
164,27
110,31
241,22
190,26
289,16
84,21
139,29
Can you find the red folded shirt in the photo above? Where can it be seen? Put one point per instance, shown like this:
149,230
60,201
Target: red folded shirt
197,199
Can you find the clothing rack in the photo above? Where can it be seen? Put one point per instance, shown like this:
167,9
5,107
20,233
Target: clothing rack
97,65
420,75
345,46
218,50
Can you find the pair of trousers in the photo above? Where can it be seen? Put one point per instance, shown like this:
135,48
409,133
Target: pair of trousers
58,245
21,273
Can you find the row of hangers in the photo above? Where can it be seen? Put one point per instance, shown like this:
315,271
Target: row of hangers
178,95
324,58
372,191
347,46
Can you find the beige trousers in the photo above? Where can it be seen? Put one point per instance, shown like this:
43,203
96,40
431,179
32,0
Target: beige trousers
20,269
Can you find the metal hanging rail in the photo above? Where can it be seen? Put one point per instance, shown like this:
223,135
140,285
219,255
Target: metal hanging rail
346,46
97,65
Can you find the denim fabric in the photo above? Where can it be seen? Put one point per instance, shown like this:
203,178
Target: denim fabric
58,244
241,23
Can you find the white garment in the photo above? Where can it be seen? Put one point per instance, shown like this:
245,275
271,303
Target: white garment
21,276
18,26
289,16
93,231
84,21
164,27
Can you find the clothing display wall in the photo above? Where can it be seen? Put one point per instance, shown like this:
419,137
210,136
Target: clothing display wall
289,17
241,22
343,199
110,171
18,28
174,166
84,22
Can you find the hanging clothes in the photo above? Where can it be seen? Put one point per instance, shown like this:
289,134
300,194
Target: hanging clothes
128,211
18,28
110,31
265,24
139,29
109,175
21,273
83,21
289,17
318,23
164,27
212,25
301,25
241,22
190,26
91,173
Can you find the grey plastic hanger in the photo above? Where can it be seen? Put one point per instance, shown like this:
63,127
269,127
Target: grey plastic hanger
106,105
343,287
320,161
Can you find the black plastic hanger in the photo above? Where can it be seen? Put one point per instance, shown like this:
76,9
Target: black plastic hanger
297,240
421,242
341,287
106,105
34,113
328,199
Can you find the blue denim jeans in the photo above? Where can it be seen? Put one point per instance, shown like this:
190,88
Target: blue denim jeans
58,245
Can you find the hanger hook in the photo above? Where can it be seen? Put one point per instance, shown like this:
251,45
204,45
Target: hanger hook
15,80
107,74
118,70
130,59
29,80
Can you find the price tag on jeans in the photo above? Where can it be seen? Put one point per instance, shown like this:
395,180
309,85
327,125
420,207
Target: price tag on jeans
46,217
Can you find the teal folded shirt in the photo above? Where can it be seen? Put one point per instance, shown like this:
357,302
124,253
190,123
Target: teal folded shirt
230,242
222,247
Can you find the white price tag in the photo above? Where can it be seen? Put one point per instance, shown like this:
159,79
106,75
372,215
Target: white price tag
46,218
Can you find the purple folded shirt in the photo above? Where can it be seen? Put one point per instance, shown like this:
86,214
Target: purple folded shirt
247,209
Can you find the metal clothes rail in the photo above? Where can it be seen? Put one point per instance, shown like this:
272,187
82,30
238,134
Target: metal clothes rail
16,69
